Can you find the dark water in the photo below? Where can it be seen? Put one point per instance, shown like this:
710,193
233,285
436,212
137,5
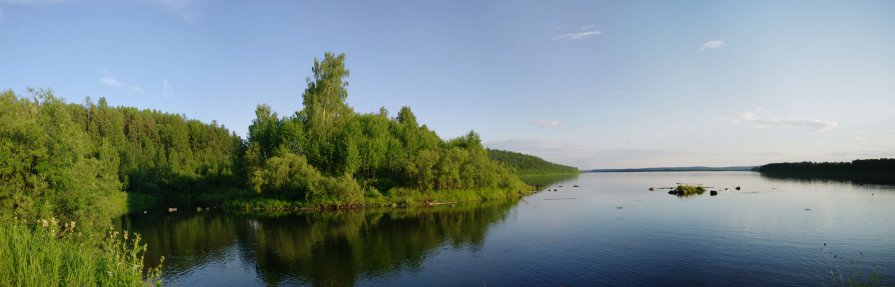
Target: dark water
608,231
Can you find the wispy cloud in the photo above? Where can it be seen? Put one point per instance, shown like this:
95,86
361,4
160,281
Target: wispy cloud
762,118
167,89
547,123
1,15
588,27
110,80
577,36
188,10
713,44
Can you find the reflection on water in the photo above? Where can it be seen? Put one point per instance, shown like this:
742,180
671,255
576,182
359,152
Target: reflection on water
546,180
321,248
593,229
855,178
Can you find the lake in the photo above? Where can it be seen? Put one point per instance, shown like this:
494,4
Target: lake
610,230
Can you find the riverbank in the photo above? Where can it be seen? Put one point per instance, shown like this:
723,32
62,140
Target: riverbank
398,197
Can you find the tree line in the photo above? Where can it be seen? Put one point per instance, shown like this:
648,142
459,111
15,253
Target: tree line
76,161
882,165
862,170
526,165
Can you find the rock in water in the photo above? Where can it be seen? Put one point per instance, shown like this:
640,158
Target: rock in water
713,192
738,188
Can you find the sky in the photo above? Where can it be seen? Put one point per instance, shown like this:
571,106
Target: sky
592,84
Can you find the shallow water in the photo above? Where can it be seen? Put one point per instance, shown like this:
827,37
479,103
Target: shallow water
608,231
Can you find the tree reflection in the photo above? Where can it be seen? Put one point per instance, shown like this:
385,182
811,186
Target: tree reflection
321,248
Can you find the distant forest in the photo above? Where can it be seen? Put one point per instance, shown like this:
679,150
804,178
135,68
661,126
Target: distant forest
525,165
870,170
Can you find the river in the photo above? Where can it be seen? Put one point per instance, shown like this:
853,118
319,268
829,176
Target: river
609,230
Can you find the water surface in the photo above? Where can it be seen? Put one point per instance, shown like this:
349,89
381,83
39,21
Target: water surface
610,230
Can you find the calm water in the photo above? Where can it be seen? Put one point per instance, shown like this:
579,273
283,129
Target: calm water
608,231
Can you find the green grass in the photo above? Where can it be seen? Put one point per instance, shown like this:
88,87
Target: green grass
51,256
687,190
403,197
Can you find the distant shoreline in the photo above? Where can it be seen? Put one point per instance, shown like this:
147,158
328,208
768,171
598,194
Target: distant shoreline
676,169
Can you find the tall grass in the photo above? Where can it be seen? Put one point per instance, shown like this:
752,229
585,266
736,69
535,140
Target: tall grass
50,254
838,276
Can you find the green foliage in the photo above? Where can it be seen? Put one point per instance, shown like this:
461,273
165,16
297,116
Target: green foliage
48,256
328,155
687,190
529,165
48,165
74,160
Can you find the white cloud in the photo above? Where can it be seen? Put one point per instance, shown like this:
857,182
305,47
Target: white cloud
577,36
588,27
547,123
714,44
761,119
110,80
167,89
188,10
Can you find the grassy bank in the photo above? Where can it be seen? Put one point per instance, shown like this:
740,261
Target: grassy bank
51,256
398,197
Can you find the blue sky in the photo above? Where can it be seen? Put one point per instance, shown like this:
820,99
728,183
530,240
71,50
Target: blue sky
592,84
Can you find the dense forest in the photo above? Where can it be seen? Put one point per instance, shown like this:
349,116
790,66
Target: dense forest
65,164
72,160
527,165
328,154
864,170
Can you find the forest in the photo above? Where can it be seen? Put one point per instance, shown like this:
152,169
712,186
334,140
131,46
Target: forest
66,164
65,159
861,170
529,165
329,155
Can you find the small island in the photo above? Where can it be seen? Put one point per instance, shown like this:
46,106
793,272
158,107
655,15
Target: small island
687,190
